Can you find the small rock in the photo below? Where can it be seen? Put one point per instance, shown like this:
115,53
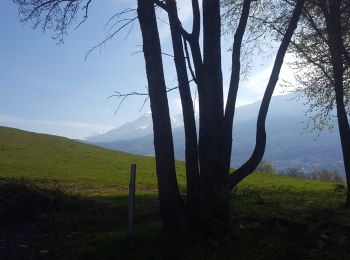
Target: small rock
44,252
324,237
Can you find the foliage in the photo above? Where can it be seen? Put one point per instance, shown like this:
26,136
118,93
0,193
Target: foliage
313,66
309,51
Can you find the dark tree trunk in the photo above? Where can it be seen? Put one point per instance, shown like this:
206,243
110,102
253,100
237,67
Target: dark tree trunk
191,152
211,100
170,201
234,83
335,45
214,193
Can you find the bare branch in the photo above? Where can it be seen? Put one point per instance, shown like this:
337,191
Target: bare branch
57,15
296,46
86,9
189,61
127,22
124,96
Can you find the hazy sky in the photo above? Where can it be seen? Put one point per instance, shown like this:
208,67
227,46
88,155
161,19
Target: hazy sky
50,88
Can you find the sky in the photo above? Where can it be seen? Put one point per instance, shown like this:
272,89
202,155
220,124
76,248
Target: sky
51,88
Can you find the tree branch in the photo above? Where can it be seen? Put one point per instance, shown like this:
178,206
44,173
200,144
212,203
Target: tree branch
124,23
86,8
161,4
296,45
234,83
196,20
189,61
250,165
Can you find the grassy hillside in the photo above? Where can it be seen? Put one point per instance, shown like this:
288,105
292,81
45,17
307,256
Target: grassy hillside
39,156
48,158
273,217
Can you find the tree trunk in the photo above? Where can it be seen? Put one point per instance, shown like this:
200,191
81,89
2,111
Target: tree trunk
191,152
211,98
214,193
169,196
335,44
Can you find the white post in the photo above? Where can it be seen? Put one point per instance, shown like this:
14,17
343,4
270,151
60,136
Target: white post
131,198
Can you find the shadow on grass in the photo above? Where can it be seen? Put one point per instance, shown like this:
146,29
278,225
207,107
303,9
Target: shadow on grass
266,224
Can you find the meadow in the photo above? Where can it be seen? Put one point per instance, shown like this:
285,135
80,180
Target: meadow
272,217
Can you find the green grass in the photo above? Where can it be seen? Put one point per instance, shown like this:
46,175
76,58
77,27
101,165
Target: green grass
273,217
46,157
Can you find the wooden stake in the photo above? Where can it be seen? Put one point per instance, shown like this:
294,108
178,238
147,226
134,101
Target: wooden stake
131,198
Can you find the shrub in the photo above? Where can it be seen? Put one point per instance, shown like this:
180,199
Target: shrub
326,175
294,173
339,187
265,167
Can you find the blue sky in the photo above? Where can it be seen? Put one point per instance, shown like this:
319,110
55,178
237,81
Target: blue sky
50,88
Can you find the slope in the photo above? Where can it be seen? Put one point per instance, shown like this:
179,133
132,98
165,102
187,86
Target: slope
274,217
40,156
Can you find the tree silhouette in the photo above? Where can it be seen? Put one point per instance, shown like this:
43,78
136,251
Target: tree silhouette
209,180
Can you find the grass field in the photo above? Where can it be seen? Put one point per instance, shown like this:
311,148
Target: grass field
46,157
273,217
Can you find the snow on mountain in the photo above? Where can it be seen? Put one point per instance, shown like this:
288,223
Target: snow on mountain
140,127
93,135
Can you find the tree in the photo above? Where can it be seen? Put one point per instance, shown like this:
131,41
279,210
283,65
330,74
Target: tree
321,46
209,180
339,56
316,81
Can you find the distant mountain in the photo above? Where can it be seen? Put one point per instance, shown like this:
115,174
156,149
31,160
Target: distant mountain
288,145
93,135
140,127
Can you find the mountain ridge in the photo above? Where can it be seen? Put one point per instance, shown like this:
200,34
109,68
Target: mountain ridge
288,144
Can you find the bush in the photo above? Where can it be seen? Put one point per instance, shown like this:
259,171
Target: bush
265,167
294,173
339,187
325,175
